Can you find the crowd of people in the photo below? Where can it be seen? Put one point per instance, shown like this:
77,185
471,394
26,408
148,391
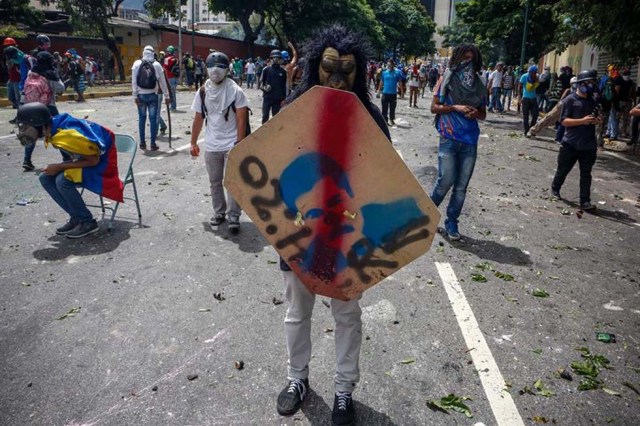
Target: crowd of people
585,106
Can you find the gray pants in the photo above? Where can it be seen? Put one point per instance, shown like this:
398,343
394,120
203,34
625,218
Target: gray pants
297,328
215,162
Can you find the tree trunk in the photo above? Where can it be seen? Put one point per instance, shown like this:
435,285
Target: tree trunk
250,35
113,47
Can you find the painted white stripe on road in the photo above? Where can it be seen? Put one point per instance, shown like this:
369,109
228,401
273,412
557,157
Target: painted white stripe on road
13,135
502,405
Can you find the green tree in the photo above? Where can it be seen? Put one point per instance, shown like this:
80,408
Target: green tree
19,12
242,11
158,8
407,27
96,12
609,25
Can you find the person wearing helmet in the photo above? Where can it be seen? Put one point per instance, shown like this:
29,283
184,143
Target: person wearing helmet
553,116
147,78
44,43
579,117
89,160
223,107
274,86
172,69
529,83
8,41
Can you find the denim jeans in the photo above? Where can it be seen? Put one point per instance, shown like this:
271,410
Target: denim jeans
506,95
496,105
251,78
612,128
66,195
456,161
173,84
148,102
161,123
13,93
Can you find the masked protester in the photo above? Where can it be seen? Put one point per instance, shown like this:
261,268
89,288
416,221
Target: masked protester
579,144
89,160
529,82
334,57
274,86
223,107
459,102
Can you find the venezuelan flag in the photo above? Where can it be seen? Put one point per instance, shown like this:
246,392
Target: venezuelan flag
81,137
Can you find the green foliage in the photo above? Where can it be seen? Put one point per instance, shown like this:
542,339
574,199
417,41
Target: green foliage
407,27
158,8
18,12
11,31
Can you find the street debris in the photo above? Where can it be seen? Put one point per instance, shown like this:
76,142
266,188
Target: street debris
503,276
537,351
219,297
328,330
169,216
484,266
192,377
605,337
539,419
589,369
538,389
239,365
155,388
565,212
204,310
540,293
72,313
478,278
451,402
276,301
564,374
407,361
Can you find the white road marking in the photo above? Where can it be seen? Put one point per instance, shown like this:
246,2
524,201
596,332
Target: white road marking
502,405
146,173
13,135
180,148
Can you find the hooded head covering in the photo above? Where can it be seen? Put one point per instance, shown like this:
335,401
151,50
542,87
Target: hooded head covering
45,66
148,54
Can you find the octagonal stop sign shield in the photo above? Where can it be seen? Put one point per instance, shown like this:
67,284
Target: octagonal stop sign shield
326,188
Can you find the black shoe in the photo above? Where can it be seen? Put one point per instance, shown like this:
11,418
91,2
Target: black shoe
13,121
587,206
163,130
216,220
556,193
154,147
291,397
28,166
234,225
343,412
68,227
84,229
143,146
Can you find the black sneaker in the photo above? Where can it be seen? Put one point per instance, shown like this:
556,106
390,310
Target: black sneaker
163,130
13,121
343,412
28,166
587,206
84,229
216,220
556,193
291,397
143,146
154,147
68,227
234,225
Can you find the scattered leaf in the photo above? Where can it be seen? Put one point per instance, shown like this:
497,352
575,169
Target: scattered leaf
511,299
479,278
539,419
565,212
611,392
271,262
531,158
537,351
484,266
503,276
72,313
440,249
219,297
408,361
486,233
540,293
451,402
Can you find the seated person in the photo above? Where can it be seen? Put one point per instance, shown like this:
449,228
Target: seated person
89,160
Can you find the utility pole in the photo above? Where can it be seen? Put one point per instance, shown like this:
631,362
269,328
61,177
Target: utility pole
193,29
524,33
181,3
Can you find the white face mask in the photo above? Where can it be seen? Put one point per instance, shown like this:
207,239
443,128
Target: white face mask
626,77
217,74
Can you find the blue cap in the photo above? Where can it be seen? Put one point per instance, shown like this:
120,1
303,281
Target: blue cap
533,68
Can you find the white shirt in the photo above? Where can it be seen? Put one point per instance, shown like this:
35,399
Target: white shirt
220,134
250,68
148,56
496,78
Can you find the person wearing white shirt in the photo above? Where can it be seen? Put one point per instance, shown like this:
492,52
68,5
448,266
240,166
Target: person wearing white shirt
495,82
250,70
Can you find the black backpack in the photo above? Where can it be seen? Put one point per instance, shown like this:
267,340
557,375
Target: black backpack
226,114
146,78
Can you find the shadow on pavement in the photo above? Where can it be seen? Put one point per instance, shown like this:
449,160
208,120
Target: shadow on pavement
612,215
102,242
318,412
492,250
249,239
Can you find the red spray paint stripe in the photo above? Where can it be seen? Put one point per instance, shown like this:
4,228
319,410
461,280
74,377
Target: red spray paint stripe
336,117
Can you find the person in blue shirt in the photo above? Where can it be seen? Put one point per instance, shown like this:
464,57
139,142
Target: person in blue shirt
529,83
389,88
459,102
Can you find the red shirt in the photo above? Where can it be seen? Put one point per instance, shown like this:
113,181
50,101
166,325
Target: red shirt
169,62
14,73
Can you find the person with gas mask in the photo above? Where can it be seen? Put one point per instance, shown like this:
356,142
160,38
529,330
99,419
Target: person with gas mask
222,105
579,144
274,86
89,160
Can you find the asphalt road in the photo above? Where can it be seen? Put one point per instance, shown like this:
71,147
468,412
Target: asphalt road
147,316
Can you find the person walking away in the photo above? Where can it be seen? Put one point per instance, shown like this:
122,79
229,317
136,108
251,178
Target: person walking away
627,97
529,82
388,86
259,67
495,83
222,106
336,58
172,69
459,102
42,85
89,160
579,142
14,58
433,77
507,88
250,70
423,78
541,91
147,77
189,67
614,113
414,85
274,86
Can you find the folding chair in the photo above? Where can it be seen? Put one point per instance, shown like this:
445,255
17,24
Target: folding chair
124,144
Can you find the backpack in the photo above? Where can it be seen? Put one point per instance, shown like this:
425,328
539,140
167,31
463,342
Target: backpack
607,89
190,64
175,69
146,78
37,89
226,114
